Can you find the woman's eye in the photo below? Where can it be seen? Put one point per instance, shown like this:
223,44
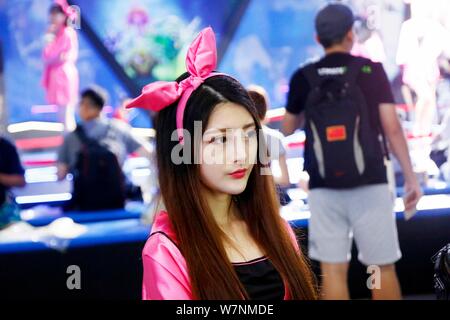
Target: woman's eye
250,134
219,140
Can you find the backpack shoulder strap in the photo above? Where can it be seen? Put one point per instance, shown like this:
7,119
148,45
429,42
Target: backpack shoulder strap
109,128
81,134
351,75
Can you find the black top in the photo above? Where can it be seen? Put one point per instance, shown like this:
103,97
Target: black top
261,280
372,80
9,164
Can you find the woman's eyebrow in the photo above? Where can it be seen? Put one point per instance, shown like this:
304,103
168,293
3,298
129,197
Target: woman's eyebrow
248,125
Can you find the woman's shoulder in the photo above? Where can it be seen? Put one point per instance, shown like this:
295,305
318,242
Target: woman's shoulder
166,274
162,238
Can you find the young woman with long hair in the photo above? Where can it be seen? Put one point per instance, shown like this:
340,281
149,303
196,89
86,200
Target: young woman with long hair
220,235
60,78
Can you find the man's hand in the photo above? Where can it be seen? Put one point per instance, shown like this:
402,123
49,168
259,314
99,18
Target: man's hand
145,151
62,171
413,193
12,180
291,122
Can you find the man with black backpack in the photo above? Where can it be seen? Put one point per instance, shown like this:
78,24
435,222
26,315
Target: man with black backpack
94,153
348,111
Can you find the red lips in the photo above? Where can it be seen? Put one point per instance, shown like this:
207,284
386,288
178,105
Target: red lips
238,174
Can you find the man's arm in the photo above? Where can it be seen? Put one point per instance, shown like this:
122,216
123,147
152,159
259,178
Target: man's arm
283,180
63,170
13,174
137,145
394,133
63,157
292,122
12,180
298,92
144,151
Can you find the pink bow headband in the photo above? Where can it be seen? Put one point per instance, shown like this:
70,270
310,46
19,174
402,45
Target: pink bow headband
68,10
201,60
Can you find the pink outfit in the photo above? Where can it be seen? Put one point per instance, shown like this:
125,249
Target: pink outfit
166,275
372,49
60,78
419,46
68,10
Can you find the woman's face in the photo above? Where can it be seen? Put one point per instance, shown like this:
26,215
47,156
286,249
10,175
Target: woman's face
229,149
57,18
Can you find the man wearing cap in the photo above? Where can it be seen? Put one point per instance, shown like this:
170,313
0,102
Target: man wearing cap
364,212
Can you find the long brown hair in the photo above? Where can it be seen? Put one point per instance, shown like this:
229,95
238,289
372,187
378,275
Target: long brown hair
199,237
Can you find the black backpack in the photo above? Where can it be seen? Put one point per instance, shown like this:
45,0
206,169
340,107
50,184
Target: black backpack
98,180
342,138
441,279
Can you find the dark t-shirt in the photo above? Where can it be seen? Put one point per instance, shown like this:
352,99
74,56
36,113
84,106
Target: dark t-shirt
372,80
9,164
261,280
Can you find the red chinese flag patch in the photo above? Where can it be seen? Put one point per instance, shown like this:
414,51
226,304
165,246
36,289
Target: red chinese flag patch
336,133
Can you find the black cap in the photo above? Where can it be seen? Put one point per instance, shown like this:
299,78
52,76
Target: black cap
334,21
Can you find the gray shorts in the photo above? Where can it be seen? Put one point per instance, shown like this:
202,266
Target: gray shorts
364,213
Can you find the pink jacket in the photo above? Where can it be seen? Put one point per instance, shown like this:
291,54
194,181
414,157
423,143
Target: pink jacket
60,78
166,275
